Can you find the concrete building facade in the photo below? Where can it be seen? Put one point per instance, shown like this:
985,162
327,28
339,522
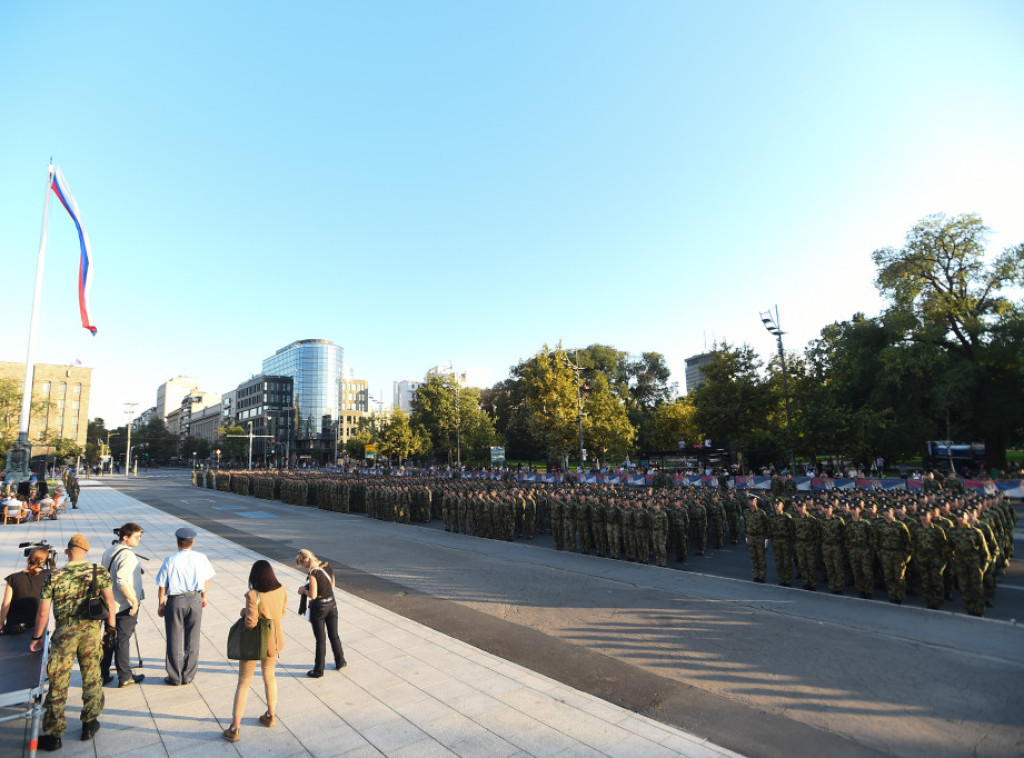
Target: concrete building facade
60,401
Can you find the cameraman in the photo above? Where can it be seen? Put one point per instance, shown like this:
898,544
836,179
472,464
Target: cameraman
126,574
21,596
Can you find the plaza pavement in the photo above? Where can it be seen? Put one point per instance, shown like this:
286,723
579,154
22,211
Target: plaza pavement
407,691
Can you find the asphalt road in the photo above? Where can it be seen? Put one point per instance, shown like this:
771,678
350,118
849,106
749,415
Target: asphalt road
763,670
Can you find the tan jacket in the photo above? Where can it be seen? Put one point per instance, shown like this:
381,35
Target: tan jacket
272,606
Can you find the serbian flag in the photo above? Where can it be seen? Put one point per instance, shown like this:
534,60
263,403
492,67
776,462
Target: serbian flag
59,185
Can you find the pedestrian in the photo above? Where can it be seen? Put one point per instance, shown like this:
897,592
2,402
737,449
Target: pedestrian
126,574
265,599
183,584
318,597
75,635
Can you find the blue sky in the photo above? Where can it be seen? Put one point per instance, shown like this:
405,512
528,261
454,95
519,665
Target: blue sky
424,182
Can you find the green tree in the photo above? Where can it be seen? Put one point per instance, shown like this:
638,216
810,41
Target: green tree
505,403
95,439
550,403
736,403
63,449
607,431
674,423
453,418
364,435
951,311
399,440
233,444
195,445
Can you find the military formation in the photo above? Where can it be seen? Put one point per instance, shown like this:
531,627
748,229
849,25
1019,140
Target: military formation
931,542
935,541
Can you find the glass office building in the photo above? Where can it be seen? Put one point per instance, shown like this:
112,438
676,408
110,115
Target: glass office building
316,370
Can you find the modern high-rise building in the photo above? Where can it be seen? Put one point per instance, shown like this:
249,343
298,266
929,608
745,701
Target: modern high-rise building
267,403
317,371
695,370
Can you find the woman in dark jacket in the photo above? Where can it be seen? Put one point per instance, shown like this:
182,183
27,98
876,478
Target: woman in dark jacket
323,610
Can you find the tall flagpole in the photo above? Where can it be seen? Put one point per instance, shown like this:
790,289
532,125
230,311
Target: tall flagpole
19,457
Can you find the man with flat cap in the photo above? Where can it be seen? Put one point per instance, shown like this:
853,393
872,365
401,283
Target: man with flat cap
183,583
75,635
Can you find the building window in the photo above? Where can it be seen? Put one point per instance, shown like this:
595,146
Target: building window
46,388
62,389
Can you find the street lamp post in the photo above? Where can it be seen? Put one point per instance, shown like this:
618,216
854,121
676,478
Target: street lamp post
128,449
771,323
577,370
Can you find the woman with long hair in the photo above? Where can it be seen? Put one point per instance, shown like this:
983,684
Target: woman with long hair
323,610
21,596
267,599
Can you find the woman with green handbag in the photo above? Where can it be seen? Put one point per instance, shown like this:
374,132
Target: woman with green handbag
265,605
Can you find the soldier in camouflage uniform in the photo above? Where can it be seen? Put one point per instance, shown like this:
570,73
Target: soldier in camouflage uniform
699,524
659,535
930,556
894,548
972,558
757,527
614,526
833,539
75,636
643,526
679,519
989,578
530,512
805,539
557,509
569,517
73,489
629,530
599,519
860,539
716,520
782,543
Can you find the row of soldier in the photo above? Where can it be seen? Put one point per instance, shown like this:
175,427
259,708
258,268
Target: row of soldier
904,541
610,521
907,541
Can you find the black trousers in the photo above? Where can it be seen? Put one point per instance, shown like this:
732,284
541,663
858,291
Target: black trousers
324,620
121,655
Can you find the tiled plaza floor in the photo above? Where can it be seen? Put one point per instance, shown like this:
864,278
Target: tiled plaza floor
407,691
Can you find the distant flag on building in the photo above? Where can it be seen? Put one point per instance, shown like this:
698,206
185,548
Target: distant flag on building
60,187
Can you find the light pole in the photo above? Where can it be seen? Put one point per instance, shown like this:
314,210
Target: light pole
771,323
128,450
577,370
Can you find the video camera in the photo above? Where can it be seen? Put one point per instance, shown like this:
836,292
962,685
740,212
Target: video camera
51,560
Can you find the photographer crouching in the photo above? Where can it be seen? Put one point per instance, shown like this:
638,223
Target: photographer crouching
81,596
126,574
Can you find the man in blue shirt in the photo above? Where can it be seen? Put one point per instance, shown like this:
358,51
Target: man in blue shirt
183,583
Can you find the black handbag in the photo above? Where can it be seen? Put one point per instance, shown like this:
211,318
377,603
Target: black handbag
249,644
95,606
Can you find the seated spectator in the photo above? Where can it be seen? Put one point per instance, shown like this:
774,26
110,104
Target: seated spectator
14,510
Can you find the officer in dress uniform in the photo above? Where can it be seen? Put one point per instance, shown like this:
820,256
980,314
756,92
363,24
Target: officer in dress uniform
183,584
